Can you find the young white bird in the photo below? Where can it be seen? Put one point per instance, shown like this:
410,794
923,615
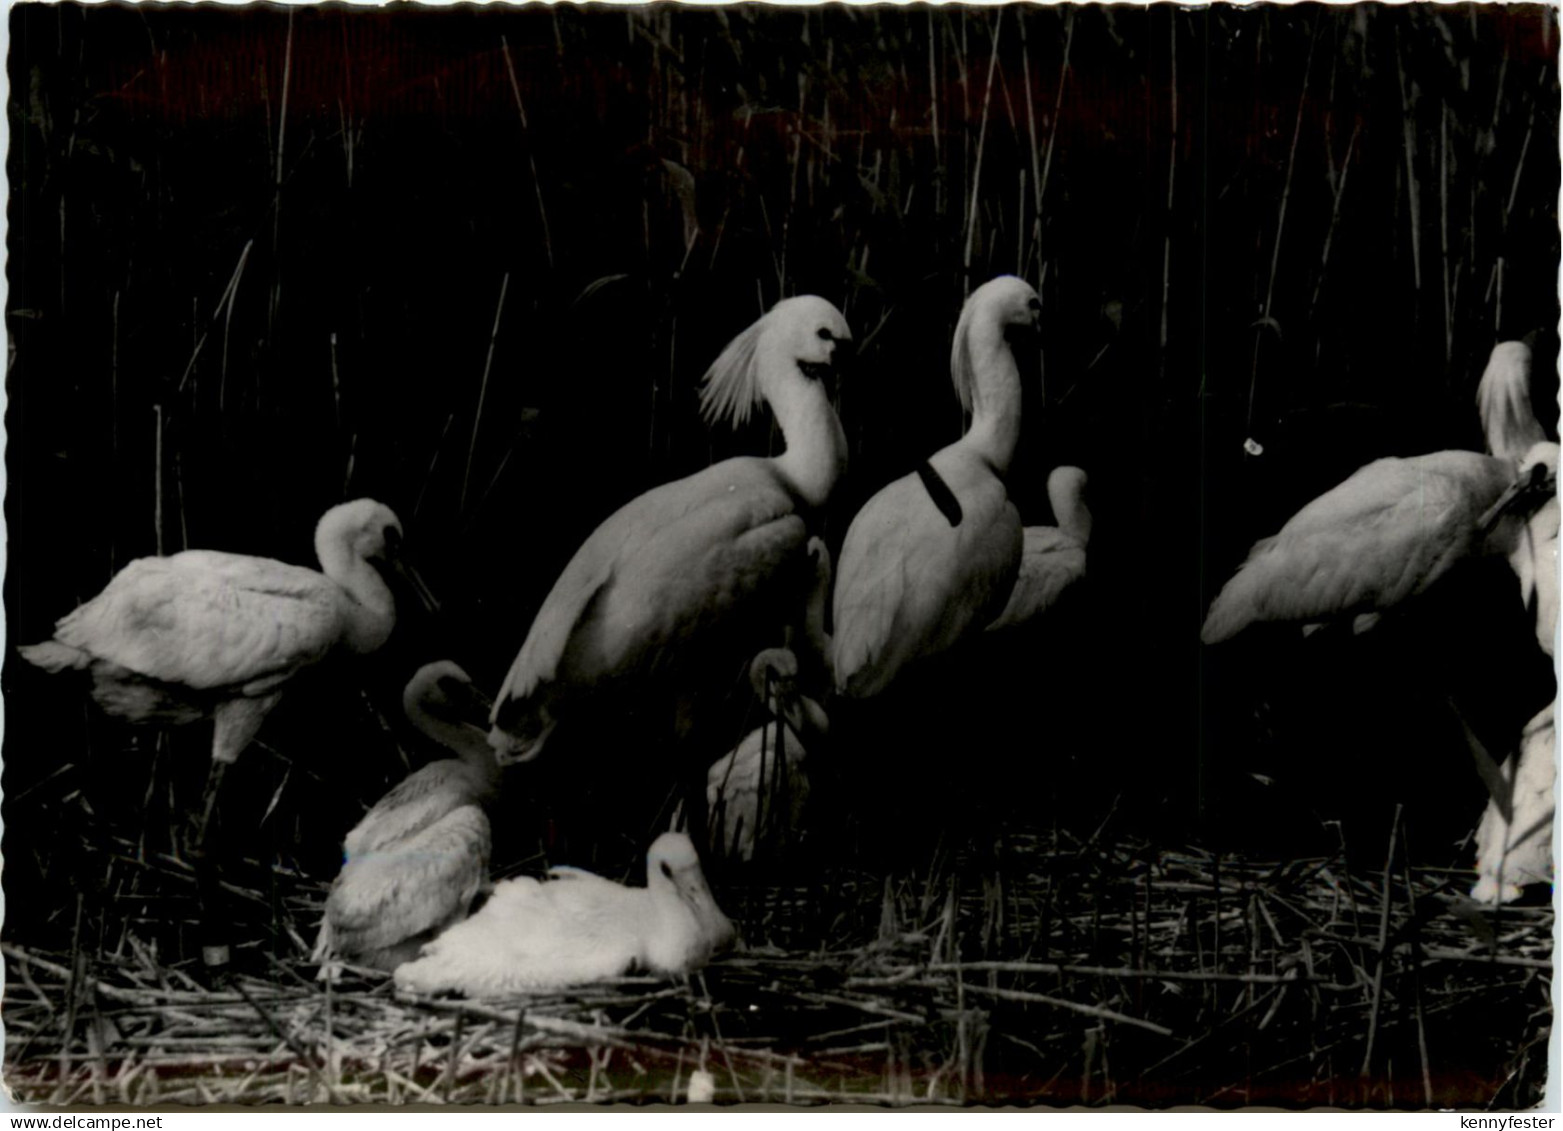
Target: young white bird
680,578
757,793
205,634
578,928
1052,557
934,555
414,864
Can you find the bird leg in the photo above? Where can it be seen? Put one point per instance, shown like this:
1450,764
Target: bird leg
208,887
235,725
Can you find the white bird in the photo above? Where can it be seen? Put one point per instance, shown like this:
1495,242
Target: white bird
747,800
1514,838
1053,557
415,862
1380,538
934,555
579,928
687,569
1395,526
206,634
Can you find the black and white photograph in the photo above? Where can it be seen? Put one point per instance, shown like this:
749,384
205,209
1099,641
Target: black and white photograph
918,555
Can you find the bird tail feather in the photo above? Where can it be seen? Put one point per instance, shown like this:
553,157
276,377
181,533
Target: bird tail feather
52,656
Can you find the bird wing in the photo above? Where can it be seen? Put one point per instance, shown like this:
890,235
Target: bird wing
415,803
675,560
910,583
1382,536
389,894
1050,564
207,620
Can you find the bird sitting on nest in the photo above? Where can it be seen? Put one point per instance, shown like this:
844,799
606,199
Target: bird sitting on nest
414,864
577,928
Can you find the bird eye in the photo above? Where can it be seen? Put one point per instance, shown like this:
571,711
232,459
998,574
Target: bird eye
825,335
666,871
1034,303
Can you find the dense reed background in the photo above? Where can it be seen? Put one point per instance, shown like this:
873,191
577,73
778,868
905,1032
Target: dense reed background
473,263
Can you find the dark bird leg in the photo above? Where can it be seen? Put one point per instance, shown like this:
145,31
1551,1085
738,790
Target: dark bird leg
237,722
208,883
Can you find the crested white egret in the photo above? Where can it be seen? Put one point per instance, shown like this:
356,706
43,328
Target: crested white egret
577,928
681,567
416,861
934,555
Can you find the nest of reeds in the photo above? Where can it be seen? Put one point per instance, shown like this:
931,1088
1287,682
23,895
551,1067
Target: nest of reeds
1061,971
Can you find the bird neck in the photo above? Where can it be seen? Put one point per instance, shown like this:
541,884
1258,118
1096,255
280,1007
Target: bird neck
469,743
995,413
371,605
1069,510
816,452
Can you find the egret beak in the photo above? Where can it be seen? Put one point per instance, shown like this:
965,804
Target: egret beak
1525,494
717,927
408,573
512,751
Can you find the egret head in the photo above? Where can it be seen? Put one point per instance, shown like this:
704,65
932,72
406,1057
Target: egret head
363,529
673,866
804,336
1004,307
444,691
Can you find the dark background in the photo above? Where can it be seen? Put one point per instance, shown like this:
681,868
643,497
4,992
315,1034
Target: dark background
256,266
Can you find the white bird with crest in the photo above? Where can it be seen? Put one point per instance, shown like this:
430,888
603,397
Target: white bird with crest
1052,561
934,555
414,864
206,634
579,928
689,569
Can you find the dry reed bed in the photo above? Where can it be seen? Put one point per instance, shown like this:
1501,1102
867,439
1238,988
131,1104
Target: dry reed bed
1097,974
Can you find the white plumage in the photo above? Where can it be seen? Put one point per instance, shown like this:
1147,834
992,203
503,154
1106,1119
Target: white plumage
1514,838
578,928
1503,400
1052,558
1394,527
1377,540
934,555
209,634
758,792
689,568
415,862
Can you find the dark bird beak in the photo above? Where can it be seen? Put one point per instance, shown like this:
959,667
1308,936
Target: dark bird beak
1524,496
409,573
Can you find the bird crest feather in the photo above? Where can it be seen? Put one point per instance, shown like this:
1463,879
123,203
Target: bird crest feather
731,387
